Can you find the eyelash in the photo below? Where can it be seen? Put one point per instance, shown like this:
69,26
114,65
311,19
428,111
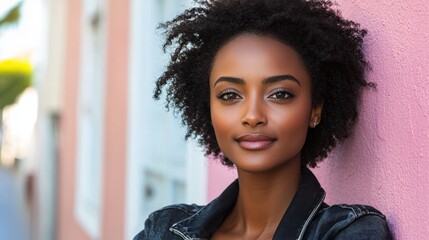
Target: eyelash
225,93
223,96
288,95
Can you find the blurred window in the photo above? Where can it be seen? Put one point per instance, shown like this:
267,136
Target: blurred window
90,117
163,168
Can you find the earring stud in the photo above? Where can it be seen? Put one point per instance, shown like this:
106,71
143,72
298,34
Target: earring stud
315,123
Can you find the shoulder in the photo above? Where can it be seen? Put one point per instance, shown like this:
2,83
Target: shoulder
157,225
177,210
352,222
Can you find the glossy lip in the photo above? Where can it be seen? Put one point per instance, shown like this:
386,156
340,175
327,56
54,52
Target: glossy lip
255,141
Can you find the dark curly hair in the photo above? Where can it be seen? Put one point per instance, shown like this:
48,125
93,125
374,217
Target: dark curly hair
331,47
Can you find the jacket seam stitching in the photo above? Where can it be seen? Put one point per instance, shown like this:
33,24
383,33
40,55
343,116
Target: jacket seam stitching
358,217
182,235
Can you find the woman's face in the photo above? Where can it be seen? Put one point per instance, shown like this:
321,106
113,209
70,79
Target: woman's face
260,101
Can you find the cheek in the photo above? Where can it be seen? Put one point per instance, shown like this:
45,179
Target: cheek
292,122
221,123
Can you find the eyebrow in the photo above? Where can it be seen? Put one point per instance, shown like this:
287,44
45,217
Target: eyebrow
267,80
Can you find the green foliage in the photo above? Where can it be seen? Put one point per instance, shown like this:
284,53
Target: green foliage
15,77
12,16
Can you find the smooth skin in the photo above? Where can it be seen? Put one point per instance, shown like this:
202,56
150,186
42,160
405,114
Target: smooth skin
260,101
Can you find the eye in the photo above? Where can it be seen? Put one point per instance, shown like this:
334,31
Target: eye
228,96
281,95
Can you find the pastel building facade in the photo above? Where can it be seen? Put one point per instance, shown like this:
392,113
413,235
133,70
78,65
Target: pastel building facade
120,155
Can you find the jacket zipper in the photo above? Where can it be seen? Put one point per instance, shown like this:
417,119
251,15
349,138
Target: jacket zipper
307,222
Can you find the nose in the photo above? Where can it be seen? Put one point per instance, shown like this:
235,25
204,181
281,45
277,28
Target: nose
254,114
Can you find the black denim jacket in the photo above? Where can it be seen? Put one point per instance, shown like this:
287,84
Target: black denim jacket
307,217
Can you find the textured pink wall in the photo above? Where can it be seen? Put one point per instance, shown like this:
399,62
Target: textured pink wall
386,162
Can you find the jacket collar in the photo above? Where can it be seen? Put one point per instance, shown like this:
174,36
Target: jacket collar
293,224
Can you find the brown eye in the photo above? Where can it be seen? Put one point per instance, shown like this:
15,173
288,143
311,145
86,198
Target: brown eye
228,96
281,95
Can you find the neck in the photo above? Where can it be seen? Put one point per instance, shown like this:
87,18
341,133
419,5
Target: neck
264,198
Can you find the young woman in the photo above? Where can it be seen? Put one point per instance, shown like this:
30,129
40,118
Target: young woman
269,87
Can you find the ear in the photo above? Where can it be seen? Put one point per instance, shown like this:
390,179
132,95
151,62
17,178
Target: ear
316,115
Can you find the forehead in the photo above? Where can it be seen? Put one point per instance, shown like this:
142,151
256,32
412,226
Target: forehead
254,55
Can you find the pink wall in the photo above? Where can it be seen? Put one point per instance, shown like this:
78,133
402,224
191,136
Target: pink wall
68,228
113,183
386,162
219,177
113,213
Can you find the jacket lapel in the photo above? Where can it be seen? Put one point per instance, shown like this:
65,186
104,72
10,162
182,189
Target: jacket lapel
302,209
292,226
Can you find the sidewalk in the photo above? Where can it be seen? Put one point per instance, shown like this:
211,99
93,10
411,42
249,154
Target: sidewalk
13,217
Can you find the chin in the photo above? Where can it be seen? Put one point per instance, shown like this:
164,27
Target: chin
254,168
261,164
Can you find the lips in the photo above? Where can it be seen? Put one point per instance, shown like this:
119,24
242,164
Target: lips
255,141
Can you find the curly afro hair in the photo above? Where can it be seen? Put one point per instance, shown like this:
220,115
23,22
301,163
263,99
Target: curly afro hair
331,47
